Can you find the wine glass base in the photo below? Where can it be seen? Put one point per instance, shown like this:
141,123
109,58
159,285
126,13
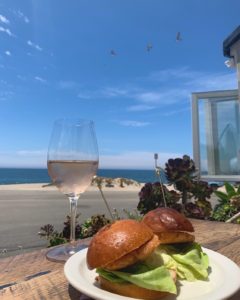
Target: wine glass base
63,252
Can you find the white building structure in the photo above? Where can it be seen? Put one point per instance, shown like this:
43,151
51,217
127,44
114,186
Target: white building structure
216,124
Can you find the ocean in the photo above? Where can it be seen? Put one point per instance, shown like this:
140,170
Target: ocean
13,176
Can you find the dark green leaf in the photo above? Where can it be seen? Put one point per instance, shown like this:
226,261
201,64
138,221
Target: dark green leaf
229,188
221,195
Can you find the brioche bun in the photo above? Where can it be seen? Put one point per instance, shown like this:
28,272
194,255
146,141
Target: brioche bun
169,225
121,244
132,290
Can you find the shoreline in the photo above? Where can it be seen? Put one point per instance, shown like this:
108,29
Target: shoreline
45,187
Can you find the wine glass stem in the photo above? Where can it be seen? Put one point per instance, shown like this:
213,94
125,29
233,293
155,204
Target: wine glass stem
73,210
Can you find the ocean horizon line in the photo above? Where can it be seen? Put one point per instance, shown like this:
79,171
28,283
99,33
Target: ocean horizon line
45,168
40,175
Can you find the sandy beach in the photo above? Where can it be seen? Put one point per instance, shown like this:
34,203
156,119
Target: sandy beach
24,208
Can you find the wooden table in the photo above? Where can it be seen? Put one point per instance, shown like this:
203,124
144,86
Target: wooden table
31,276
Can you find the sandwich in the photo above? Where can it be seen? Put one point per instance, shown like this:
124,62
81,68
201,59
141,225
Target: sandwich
169,225
119,252
177,247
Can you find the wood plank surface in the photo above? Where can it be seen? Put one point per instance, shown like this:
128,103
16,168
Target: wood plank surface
32,276
23,266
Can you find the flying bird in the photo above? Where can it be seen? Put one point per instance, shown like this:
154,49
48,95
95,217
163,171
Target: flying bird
149,47
113,52
178,37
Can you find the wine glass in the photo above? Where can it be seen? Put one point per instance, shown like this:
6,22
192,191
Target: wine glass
72,163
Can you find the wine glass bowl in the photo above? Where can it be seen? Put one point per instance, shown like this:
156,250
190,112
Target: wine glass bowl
72,177
72,163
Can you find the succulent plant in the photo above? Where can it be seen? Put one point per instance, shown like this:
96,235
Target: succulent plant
205,206
93,224
87,229
49,233
151,197
46,231
194,211
172,197
201,190
181,172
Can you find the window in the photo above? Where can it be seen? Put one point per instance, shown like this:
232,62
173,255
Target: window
216,135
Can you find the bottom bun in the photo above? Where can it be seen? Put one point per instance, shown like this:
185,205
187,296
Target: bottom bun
130,290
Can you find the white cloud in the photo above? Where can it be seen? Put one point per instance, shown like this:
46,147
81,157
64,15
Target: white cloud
130,123
33,45
196,79
162,97
114,92
40,79
140,107
30,152
21,77
5,95
8,53
135,160
4,82
178,86
105,92
22,16
124,160
24,158
4,20
84,96
164,88
89,94
175,112
67,84
183,73
189,81
26,20
211,82
6,30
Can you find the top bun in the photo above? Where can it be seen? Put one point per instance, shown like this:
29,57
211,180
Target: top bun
115,240
166,219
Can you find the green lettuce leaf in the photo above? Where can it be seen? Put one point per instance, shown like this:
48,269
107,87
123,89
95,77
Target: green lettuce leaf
189,261
158,279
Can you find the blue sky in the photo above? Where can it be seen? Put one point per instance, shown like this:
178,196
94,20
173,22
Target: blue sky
115,62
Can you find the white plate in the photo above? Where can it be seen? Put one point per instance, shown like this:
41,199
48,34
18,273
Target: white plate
224,280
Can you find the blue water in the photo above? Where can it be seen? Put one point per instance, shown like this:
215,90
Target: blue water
12,176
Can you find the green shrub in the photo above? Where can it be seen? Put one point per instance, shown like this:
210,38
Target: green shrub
229,203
